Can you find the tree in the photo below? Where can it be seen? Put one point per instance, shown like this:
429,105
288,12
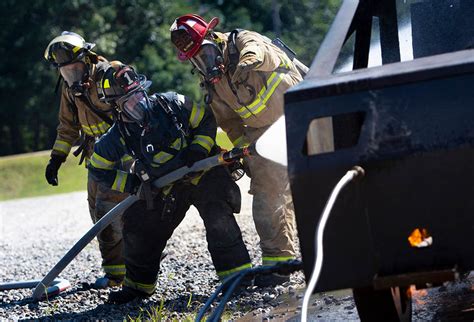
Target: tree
133,31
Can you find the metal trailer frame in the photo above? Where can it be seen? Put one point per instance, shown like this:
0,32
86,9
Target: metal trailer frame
410,125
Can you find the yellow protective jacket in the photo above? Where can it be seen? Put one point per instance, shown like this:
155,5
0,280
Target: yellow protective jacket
76,118
244,122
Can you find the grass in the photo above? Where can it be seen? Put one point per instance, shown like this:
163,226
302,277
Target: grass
23,175
159,313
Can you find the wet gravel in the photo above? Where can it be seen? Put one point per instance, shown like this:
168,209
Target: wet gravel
36,232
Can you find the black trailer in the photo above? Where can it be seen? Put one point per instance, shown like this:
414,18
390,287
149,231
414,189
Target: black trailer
404,111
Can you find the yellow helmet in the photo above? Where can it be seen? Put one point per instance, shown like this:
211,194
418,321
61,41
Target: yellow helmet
67,48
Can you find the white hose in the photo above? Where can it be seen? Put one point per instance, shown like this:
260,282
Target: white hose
351,174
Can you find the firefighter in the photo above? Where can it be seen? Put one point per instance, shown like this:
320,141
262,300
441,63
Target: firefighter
245,76
164,132
83,118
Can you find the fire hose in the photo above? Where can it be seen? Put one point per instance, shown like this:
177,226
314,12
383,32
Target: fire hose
202,165
232,282
58,285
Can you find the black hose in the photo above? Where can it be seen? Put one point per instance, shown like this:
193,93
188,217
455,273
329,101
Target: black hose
231,283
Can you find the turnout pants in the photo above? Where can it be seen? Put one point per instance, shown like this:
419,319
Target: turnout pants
272,210
145,232
272,207
101,200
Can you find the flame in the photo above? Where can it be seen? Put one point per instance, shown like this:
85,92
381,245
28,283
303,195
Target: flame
418,295
420,238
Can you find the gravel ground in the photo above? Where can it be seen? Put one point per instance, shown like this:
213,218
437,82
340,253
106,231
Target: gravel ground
36,232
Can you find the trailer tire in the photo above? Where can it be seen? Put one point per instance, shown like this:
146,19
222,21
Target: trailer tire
383,305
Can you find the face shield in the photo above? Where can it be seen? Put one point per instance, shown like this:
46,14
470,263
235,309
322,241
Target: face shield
74,74
208,60
134,106
63,56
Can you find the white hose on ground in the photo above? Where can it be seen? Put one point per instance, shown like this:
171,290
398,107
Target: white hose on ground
318,264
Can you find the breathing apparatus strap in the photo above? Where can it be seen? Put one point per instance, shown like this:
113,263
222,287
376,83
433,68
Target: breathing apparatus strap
164,104
234,56
86,140
145,187
234,53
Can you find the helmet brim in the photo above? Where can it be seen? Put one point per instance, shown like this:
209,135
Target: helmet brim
182,56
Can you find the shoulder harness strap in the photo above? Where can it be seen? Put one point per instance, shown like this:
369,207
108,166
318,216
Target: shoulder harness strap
234,53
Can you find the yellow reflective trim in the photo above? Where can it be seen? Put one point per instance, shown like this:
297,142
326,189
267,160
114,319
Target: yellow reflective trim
262,94
224,274
273,88
177,144
245,114
259,104
118,270
76,49
240,142
103,126
101,163
87,130
285,62
166,189
122,141
106,83
270,260
162,157
120,181
62,146
197,114
100,128
126,162
205,141
195,181
147,288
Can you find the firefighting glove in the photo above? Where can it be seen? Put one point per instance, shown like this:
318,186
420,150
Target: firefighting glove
52,168
141,170
236,170
247,63
191,155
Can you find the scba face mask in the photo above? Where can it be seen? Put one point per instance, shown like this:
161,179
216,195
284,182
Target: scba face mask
134,106
75,75
209,61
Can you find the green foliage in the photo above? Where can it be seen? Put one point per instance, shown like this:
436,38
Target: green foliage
23,175
132,31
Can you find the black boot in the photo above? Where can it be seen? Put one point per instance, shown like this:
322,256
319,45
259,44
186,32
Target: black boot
247,281
125,295
273,280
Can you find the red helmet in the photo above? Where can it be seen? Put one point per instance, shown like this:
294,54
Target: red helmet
188,33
